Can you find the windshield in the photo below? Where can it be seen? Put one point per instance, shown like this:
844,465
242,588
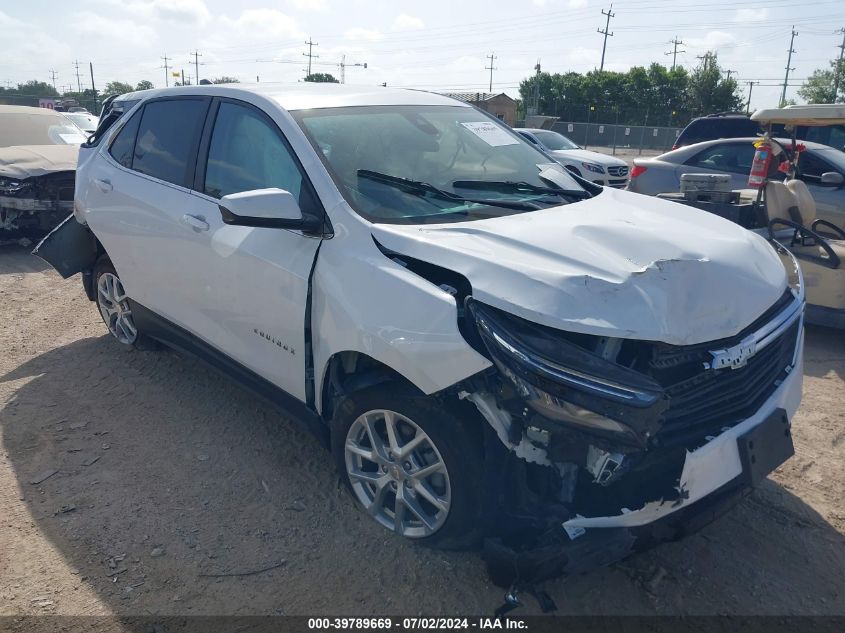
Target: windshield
38,129
424,164
554,141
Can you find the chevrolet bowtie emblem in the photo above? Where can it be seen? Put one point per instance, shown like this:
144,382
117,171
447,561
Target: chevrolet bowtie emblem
736,356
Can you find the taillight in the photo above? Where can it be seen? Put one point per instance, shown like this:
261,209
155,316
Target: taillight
638,170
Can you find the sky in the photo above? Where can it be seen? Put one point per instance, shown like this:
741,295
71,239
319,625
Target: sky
434,45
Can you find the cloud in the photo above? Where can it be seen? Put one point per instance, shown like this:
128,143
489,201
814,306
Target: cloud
90,24
190,12
751,15
263,24
572,4
357,33
23,42
309,5
712,41
405,22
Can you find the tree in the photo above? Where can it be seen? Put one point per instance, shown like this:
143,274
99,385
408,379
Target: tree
707,92
28,93
144,85
225,79
819,86
322,78
117,88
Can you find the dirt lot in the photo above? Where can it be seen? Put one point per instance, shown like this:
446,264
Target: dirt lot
166,474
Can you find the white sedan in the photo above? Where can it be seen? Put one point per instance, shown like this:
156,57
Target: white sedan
600,168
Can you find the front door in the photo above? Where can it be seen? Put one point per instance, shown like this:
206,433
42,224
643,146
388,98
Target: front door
252,283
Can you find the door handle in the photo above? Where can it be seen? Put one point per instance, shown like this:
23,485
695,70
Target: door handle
196,222
103,184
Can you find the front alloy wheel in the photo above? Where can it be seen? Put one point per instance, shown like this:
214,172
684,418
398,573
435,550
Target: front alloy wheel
397,473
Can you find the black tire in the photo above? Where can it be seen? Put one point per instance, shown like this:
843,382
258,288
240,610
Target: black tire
139,341
458,443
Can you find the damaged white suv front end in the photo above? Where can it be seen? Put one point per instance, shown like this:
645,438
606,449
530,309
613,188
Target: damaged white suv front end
495,349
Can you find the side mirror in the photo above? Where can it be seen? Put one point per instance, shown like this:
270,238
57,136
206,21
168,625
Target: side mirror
832,179
266,208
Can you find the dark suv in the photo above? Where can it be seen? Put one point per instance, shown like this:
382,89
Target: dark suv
737,125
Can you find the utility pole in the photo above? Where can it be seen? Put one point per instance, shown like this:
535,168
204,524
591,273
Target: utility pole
750,88
729,73
839,69
197,56
53,75
183,76
93,87
674,52
491,68
705,58
609,13
788,62
309,54
166,71
537,89
343,66
78,79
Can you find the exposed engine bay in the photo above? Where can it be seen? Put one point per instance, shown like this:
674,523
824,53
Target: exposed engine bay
33,206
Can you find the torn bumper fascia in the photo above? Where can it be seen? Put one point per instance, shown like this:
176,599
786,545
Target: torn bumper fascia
708,468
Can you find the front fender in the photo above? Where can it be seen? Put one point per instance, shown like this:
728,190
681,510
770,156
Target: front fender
365,302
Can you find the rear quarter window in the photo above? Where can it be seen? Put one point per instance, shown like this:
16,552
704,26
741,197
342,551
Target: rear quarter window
124,143
167,139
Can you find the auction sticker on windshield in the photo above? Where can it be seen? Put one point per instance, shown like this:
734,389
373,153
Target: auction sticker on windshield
490,133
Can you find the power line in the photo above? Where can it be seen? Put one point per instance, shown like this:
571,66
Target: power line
788,62
674,52
309,54
166,70
491,68
609,13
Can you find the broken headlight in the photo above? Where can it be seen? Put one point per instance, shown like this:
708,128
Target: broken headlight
563,381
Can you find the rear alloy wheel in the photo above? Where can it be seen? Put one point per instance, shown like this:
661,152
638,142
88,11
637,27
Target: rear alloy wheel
115,309
411,463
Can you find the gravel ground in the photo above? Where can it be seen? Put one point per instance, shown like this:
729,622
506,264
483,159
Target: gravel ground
155,474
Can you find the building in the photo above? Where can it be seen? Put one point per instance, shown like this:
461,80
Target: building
499,105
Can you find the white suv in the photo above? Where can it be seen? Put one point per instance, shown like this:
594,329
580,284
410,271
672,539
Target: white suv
492,347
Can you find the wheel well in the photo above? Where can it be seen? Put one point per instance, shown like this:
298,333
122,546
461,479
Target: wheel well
347,372
88,273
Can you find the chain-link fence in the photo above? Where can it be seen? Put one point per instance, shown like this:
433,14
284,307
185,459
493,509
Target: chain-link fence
630,137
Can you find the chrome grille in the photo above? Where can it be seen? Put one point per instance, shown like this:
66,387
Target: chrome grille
618,171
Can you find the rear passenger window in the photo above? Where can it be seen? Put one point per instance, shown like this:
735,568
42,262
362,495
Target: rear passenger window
167,139
246,153
123,144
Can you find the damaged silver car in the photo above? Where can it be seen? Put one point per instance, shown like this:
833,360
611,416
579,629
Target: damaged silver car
38,152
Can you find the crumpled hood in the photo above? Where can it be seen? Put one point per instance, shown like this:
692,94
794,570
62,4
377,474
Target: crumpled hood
587,156
619,264
26,161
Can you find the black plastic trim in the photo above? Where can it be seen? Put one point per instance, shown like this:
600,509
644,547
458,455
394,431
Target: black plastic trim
172,335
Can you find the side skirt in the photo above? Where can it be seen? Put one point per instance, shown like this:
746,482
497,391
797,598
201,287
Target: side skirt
176,337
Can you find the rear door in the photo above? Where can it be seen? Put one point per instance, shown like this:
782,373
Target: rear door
733,158
250,285
137,193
